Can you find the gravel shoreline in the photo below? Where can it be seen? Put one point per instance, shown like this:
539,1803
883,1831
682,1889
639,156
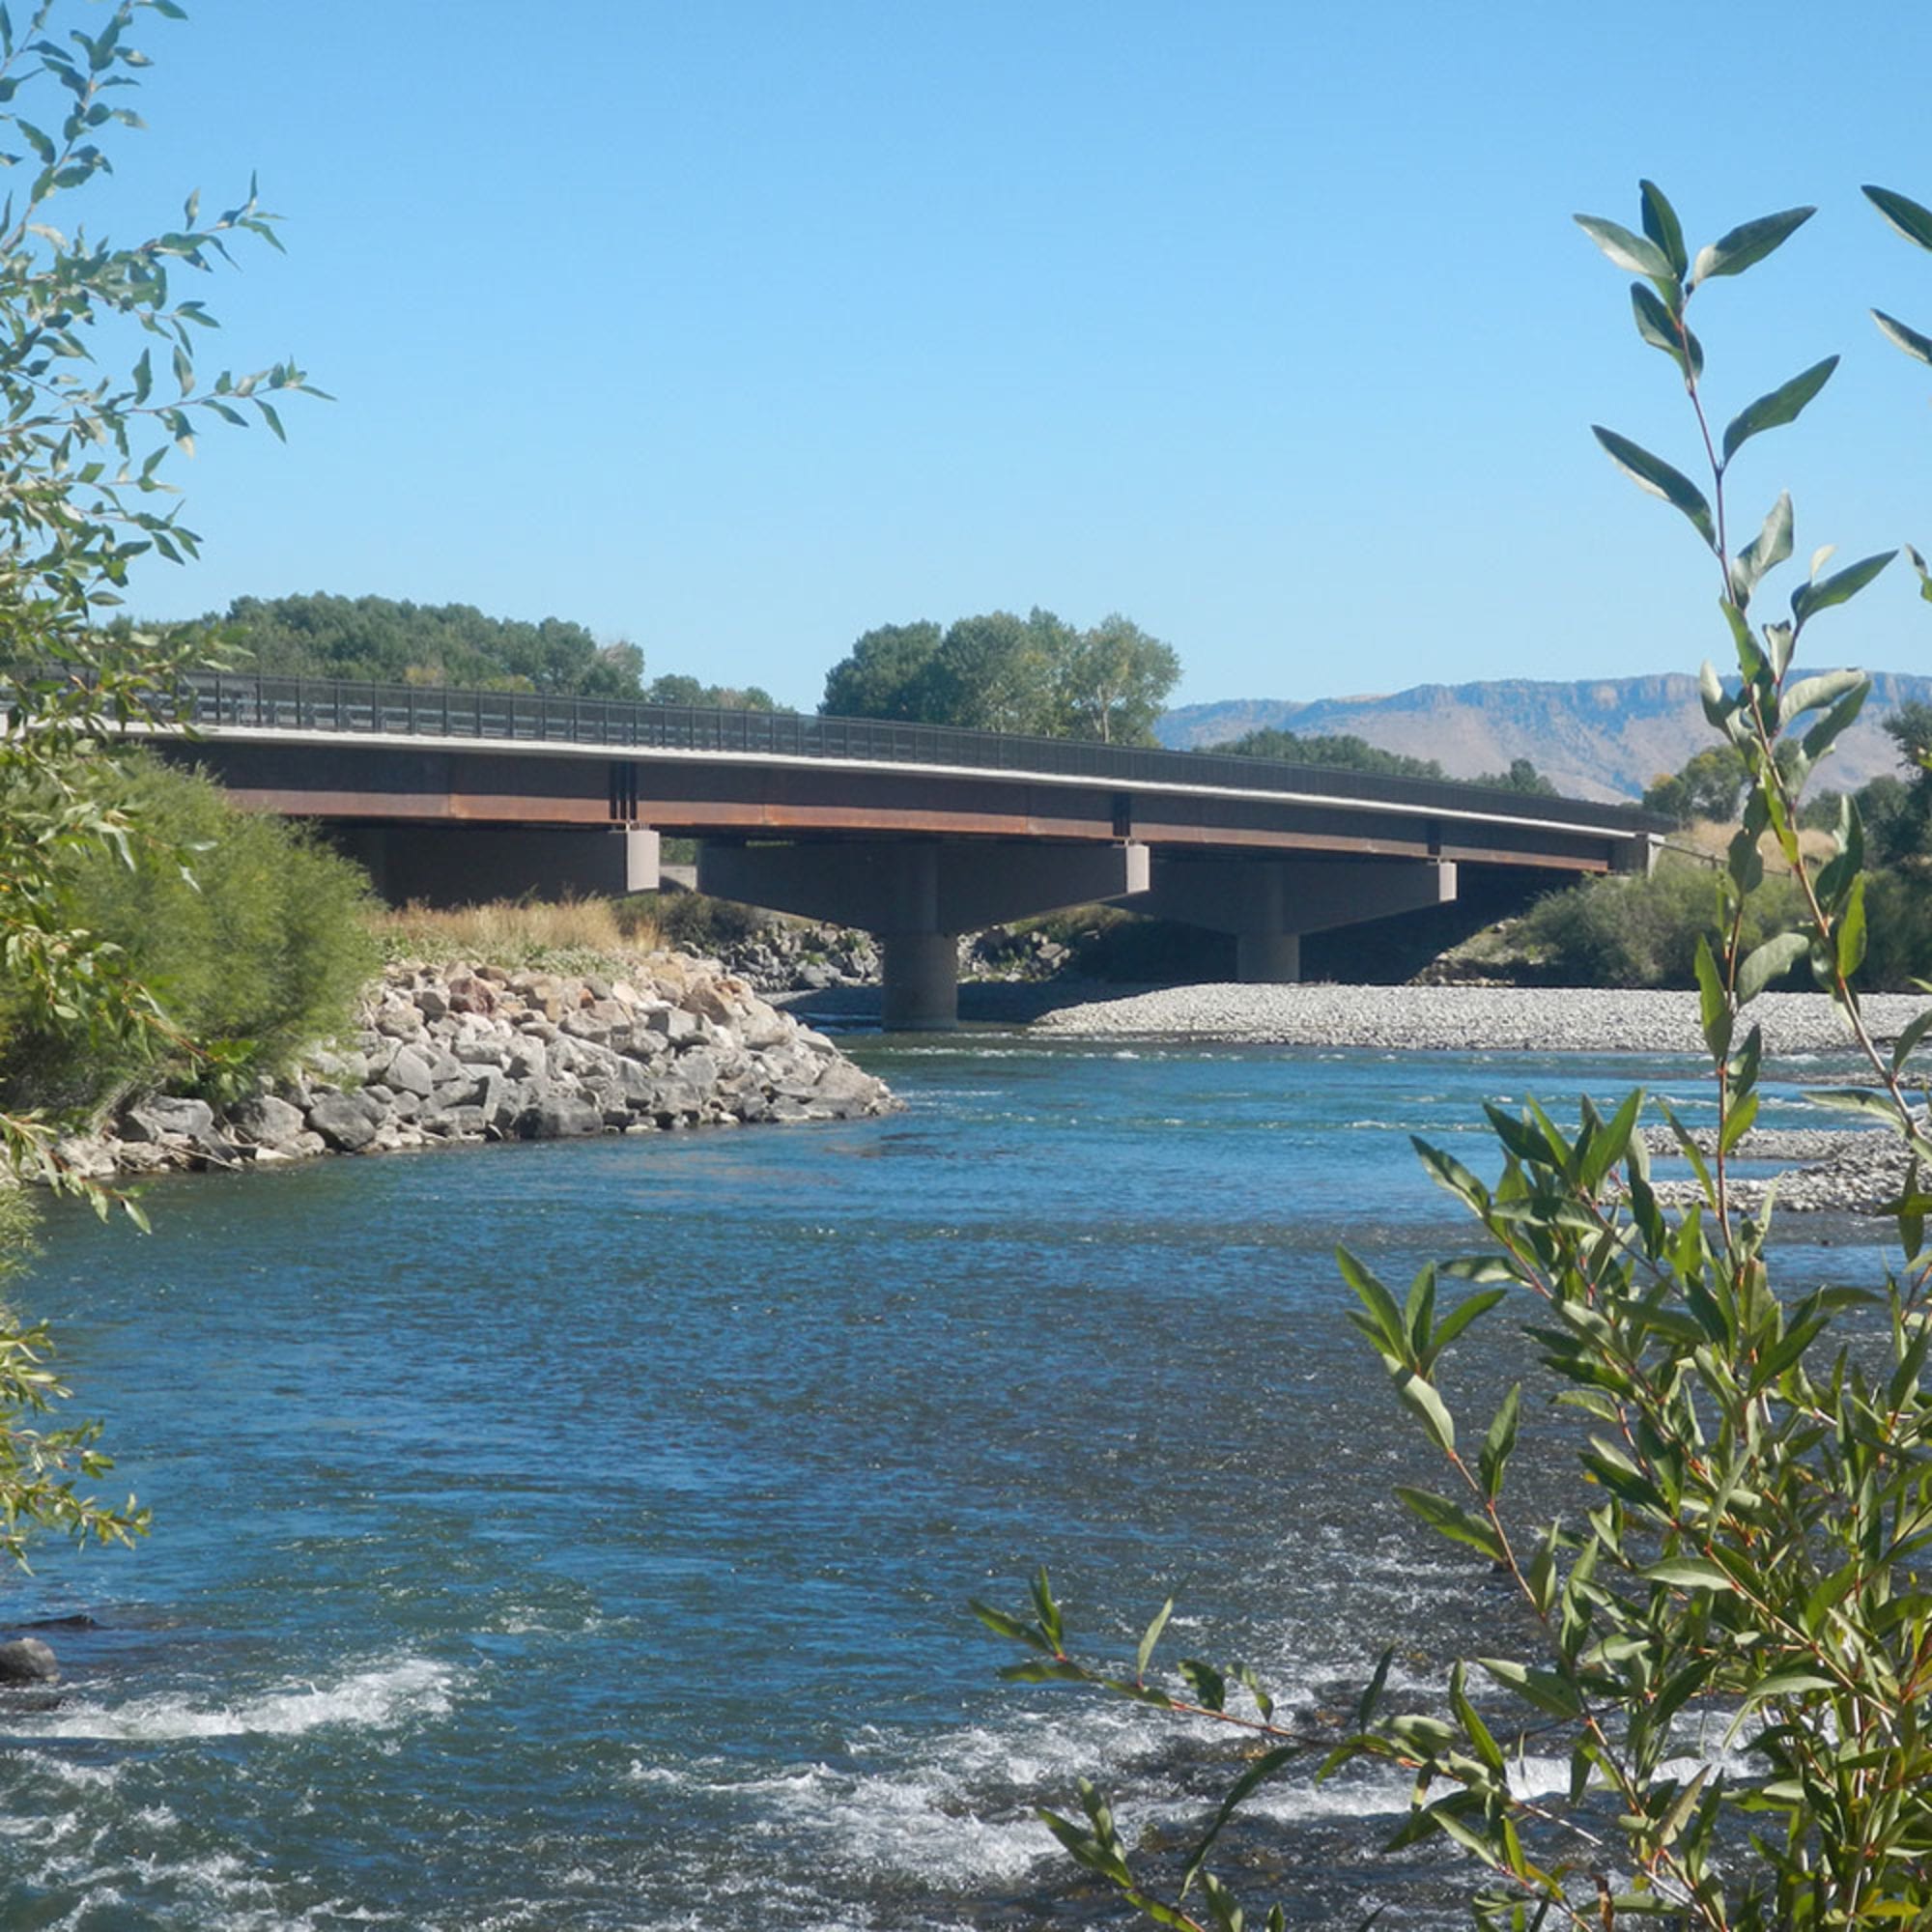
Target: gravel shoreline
1466,1019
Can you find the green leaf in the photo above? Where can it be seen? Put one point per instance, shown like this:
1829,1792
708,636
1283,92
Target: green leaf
1781,406
1208,1685
1793,1683
1662,331
1453,1520
1499,1441
1660,224
1365,1705
1421,1397
1691,1573
1811,693
1738,1122
1631,253
1002,1625
1766,551
1612,1143
1651,472
1906,215
1749,243
1910,1038
1152,1637
1550,1693
1263,1768
1903,336
1459,1317
1714,1013
1808,599
1850,937
1045,1608
1824,734
1866,1101
1770,961
1384,1314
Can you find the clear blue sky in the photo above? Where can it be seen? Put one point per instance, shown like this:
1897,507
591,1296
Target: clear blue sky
737,330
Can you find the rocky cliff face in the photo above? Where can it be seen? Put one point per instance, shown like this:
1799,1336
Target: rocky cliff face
443,1055
1602,738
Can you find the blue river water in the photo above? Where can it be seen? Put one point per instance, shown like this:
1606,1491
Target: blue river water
580,1535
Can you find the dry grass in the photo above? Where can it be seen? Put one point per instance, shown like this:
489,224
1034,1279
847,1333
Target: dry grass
1710,841
569,935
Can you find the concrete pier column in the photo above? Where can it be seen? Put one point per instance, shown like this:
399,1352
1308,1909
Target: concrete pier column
918,895
1267,958
921,982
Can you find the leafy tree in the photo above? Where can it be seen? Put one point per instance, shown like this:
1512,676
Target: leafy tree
1709,786
1341,749
994,673
80,498
387,641
676,687
1114,681
1752,1541
1003,673
1522,776
881,677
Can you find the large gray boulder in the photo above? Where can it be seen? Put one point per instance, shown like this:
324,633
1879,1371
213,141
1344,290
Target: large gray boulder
558,1116
345,1121
163,1117
268,1121
26,1659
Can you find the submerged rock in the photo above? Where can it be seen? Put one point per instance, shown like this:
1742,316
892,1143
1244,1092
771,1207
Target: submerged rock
26,1659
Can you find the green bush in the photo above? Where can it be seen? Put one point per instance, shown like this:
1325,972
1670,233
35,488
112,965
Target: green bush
253,950
1643,932
1898,919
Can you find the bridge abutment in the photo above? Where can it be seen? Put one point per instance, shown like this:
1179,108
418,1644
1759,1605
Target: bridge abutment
470,865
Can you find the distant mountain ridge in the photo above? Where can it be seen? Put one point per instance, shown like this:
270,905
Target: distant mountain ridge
1599,738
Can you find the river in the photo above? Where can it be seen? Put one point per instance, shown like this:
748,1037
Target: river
580,1535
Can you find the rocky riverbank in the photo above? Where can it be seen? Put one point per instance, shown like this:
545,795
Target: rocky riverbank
1468,1019
442,1055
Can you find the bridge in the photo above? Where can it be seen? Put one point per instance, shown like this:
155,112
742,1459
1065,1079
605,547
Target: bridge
917,833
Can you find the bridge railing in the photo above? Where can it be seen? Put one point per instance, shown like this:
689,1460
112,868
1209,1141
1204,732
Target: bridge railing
238,701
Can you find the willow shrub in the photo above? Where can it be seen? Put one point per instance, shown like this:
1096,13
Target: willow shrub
1727,1637
1645,931
249,933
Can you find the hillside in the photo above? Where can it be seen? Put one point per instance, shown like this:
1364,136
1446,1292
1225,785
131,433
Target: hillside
1607,738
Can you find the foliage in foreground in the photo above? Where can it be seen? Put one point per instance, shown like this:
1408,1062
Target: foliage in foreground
81,498
254,948
1749,1555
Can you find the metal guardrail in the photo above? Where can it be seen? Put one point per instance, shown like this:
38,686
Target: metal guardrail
226,700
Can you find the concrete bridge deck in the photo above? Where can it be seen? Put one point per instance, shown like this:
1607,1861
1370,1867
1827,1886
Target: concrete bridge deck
916,832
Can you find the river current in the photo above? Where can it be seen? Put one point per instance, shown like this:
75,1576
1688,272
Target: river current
582,1535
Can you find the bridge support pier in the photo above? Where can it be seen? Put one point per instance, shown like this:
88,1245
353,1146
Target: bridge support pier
918,895
470,865
1269,903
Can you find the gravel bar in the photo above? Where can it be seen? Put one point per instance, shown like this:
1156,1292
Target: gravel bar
1467,1019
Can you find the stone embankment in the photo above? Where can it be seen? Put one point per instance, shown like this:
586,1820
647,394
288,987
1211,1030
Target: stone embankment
781,956
446,1055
